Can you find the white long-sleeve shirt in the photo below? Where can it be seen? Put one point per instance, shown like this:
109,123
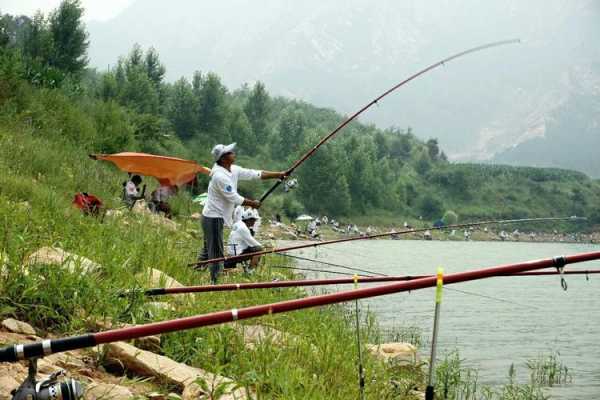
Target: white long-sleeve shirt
240,239
222,191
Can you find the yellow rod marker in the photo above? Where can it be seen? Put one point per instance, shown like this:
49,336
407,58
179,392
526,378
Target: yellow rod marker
355,277
440,285
429,391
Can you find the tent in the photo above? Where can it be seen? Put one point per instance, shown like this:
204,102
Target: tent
170,171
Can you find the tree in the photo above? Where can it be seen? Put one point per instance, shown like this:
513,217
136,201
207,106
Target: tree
433,148
361,177
430,206
381,144
37,41
257,110
114,132
139,92
154,68
109,87
197,82
134,59
241,131
450,218
182,107
69,37
322,185
401,147
213,109
423,164
290,134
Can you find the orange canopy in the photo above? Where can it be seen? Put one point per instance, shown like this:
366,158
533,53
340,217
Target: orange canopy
167,170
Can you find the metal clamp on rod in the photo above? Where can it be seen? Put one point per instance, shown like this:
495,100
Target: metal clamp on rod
559,263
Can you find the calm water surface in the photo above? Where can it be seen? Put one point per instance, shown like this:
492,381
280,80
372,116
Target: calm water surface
490,334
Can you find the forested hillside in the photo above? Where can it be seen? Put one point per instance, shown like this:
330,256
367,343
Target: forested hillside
46,90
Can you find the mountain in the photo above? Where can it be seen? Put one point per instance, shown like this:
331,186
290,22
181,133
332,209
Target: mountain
341,54
571,133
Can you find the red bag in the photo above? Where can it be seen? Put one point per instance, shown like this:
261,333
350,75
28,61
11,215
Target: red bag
87,203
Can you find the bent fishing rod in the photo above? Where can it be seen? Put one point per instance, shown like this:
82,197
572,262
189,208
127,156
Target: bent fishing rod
16,352
385,234
323,282
375,101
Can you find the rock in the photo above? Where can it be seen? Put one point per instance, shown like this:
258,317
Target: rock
7,384
157,306
150,343
15,326
417,394
157,278
145,363
55,255
255,334
403,353
114,213
141,207
156,396
196,216
3,265
105,391
11,337
193,391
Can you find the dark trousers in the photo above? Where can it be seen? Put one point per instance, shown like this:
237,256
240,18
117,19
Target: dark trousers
212,244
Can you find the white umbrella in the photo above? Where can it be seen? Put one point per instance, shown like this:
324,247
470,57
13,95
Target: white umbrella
304,217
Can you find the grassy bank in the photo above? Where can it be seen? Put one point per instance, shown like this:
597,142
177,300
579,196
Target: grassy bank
36,189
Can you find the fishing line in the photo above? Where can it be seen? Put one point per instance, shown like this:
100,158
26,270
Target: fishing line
333,264
315,270
493,298
452,289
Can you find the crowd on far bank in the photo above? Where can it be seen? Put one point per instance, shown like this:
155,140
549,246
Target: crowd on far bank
306,226
321,227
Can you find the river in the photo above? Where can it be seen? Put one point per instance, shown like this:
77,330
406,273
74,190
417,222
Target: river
490,334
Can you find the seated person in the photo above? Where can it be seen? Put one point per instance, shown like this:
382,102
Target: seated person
241,240
159,199
131,192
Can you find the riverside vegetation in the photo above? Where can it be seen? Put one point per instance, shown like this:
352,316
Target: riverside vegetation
48,89
53,111
35,211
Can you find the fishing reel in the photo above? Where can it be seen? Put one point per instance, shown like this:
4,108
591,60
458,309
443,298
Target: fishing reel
290,184
49,389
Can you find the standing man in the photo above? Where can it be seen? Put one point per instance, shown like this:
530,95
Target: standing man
222,199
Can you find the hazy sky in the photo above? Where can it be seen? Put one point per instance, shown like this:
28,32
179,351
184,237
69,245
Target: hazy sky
94,9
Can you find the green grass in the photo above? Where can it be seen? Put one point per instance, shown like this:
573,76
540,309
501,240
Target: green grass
41,176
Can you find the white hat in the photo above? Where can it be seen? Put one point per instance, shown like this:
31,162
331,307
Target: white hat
248,214
220,150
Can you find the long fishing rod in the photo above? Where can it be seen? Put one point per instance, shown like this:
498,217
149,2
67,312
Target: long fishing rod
327,281
333,264
385,234
46,347
375,101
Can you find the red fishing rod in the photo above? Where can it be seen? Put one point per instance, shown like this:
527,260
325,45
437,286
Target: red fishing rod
385,234
323,282
374,101
18,352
